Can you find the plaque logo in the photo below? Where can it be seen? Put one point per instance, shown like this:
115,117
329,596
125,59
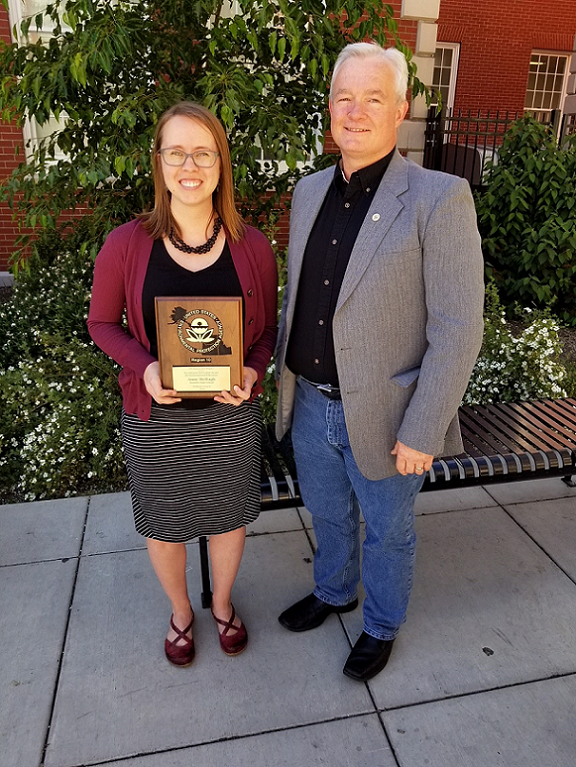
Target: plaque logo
199,331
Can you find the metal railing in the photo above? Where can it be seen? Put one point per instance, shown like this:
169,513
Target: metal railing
463,142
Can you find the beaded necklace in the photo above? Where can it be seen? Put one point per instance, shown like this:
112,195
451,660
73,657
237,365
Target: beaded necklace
206,248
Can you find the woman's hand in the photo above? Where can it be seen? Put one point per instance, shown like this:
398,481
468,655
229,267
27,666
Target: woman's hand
241,395
153,384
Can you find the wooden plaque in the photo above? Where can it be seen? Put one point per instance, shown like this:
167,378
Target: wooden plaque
199,344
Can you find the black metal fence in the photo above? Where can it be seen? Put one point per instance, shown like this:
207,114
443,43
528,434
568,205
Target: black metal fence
462,143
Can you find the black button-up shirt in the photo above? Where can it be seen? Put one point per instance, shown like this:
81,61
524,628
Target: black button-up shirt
310,350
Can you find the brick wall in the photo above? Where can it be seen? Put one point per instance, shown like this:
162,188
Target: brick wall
496,40
10,140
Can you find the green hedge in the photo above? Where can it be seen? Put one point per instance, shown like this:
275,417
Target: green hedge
59,395
527,218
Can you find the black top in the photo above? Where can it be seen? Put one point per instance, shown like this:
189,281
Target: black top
164,277
310,350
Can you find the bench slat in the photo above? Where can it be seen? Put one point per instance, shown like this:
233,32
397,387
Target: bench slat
541,436
493,432
533,440
539,424
563,435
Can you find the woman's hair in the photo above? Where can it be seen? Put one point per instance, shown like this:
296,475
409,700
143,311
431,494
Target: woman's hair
394,58
159,221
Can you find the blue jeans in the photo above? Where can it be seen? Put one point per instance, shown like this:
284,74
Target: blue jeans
333,489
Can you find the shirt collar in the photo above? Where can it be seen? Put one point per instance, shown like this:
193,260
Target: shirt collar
367,178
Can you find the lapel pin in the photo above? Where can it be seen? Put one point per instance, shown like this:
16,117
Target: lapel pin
376,217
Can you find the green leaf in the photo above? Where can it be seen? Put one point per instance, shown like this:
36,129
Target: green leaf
252,39
272,39
226,115
119,165
295,47
69,17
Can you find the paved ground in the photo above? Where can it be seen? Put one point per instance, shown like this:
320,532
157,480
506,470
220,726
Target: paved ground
482,675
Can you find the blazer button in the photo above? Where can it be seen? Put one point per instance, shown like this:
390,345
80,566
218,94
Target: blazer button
251,321
250,293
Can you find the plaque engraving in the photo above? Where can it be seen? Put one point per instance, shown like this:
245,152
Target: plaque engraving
199,344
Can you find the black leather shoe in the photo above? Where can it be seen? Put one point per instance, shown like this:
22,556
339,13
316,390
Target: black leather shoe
368,657
311,612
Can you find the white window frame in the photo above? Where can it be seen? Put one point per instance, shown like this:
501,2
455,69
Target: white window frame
30,128
560,107
455,48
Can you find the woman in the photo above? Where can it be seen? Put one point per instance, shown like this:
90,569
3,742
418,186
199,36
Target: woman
193,465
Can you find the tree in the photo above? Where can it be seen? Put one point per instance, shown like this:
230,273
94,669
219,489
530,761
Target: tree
111,68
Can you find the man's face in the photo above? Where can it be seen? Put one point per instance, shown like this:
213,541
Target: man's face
365,112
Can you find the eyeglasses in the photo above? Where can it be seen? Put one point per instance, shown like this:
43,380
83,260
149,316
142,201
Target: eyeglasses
203,158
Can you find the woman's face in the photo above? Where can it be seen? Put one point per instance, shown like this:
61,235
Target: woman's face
190,186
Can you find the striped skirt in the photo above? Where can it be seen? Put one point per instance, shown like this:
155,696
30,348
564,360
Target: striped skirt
193,472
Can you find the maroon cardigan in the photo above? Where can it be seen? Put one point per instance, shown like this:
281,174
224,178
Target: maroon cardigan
119,275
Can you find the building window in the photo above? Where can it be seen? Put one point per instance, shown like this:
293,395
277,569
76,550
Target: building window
445,74
18,11
547,80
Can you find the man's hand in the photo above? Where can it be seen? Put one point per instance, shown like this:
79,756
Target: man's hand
153,384
409,461
240,395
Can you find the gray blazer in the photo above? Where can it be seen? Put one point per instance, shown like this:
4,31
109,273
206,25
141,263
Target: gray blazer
408,322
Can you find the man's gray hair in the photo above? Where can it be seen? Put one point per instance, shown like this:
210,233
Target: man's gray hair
391,56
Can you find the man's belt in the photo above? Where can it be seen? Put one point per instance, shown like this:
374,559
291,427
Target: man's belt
332,392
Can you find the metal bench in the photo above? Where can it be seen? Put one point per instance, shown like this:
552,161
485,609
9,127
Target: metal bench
502,443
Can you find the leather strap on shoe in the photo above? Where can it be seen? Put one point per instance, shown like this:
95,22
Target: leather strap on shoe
227,624
181,634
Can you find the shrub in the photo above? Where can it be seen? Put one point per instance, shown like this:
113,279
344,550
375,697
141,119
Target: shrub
63,431
520,366
59,395
527,219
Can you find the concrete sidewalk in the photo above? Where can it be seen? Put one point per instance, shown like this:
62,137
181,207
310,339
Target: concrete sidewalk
483,673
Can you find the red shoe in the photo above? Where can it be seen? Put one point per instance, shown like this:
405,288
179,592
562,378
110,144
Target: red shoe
180,654
236,643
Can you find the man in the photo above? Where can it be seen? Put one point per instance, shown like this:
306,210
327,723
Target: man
381,325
